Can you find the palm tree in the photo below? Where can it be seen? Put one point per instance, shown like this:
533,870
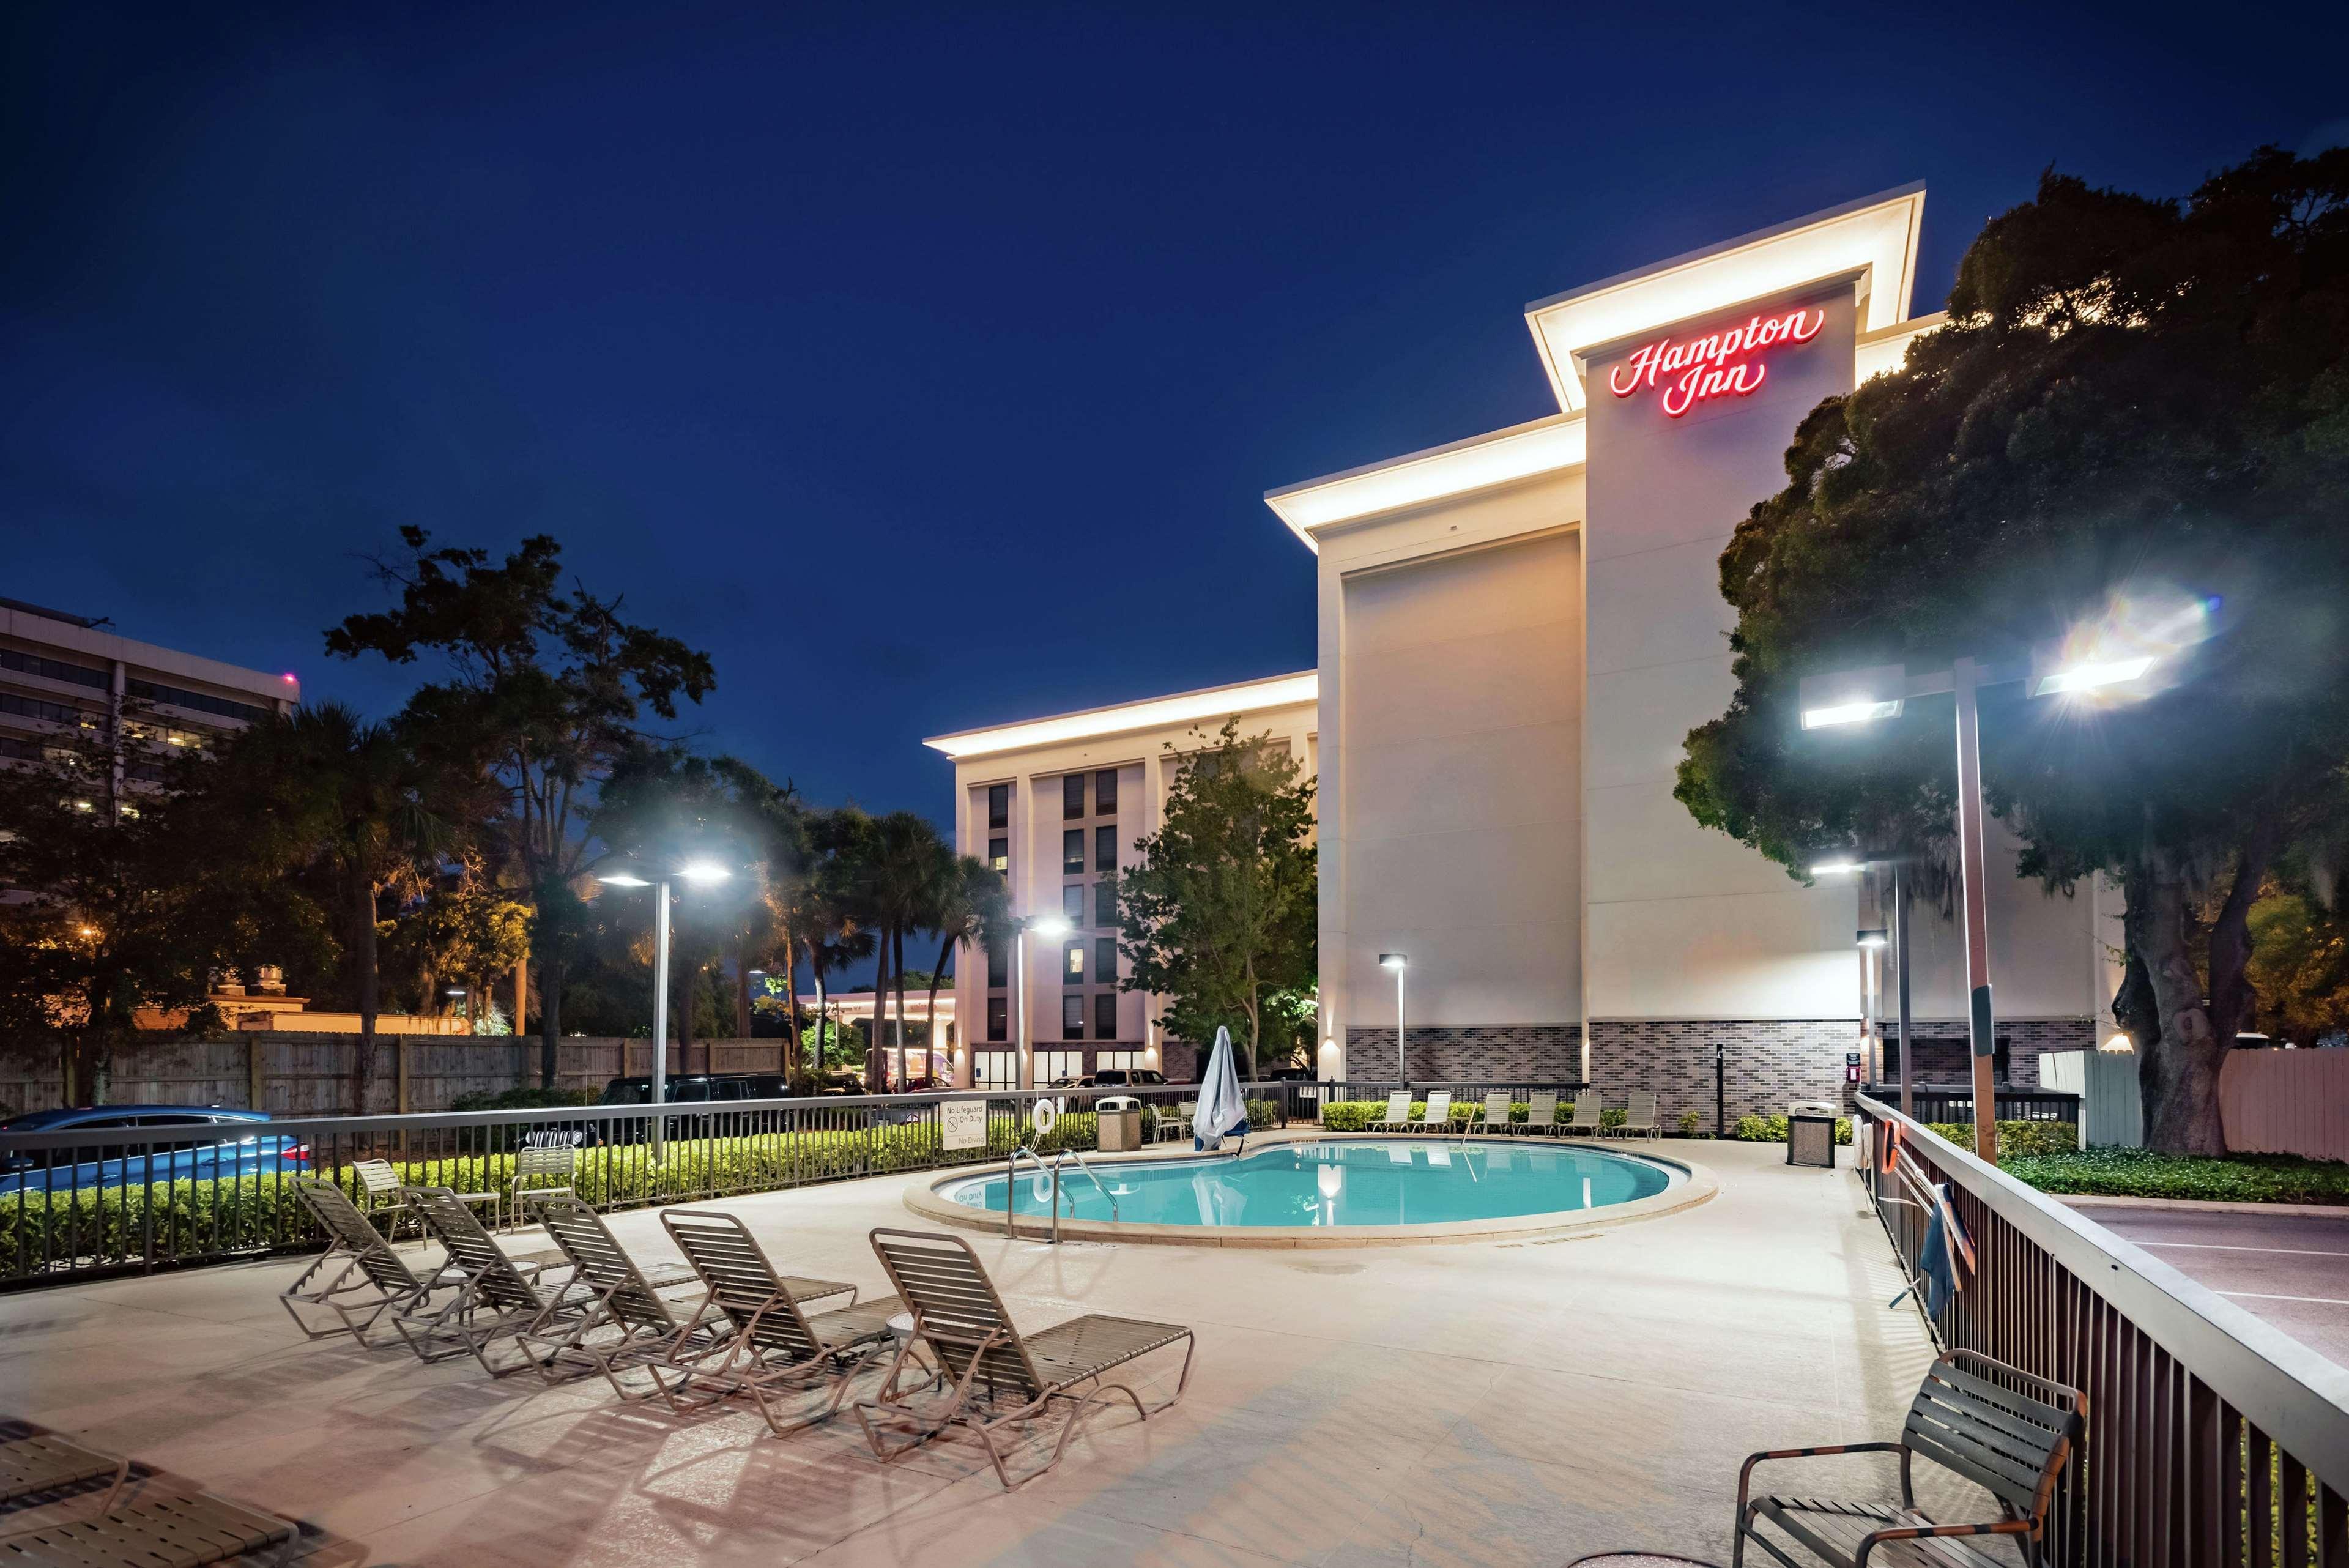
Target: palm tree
898,869
973,906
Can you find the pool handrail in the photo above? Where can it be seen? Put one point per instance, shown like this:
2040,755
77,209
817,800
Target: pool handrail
1085,1165
1010,1179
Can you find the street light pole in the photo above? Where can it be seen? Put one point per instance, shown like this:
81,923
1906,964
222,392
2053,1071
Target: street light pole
1980,1026
661,1014
1900,967
1020,1007
1398,962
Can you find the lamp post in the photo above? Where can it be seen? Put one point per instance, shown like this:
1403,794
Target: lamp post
1871,940
1044,926
1899,956
1881,691
700,873
1398,962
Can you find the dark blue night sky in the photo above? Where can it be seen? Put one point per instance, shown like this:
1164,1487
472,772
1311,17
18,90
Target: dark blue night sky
926,369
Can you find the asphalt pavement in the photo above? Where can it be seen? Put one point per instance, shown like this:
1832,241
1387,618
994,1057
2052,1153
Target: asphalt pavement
2290,1269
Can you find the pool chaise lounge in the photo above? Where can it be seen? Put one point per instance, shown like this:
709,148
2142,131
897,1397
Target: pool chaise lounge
999,1376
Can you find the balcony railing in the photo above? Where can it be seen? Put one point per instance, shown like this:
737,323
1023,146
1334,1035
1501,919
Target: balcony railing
2213,1440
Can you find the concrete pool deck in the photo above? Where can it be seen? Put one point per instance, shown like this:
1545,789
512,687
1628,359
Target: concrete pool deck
1500,1403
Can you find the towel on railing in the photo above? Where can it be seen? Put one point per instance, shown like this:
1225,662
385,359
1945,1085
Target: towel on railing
1940,1274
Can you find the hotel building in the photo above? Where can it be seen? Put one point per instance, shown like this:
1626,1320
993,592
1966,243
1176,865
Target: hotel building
1516,631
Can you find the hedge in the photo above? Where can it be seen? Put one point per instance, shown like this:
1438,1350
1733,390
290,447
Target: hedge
196,1218
2142,1173
2018,1139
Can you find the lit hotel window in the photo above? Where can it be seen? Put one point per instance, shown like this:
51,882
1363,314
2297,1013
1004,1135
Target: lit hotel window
999,855
1072,962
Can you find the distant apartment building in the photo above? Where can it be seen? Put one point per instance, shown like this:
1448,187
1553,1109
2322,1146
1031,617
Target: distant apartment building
1056,804
64,679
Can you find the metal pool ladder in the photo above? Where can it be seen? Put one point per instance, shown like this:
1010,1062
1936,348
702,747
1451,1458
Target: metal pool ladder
1011,1178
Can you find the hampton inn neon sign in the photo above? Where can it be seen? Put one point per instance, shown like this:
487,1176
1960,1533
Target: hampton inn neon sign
1717,365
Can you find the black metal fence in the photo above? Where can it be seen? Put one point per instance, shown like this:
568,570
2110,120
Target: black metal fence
1955,1103
2213,1440
76,1203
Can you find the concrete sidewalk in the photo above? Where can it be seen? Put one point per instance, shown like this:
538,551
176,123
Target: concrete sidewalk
1485,1404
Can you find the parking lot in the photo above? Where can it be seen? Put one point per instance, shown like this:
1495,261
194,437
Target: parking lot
2291,1268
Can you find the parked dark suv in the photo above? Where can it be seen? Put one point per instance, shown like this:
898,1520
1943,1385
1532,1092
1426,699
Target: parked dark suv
688,1089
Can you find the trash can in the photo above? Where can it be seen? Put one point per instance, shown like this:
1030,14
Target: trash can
1810,1133
1119,1119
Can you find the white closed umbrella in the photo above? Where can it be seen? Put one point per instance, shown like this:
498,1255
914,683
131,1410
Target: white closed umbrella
1222,1113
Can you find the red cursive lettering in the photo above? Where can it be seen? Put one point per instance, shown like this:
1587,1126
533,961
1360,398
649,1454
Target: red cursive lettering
1712,365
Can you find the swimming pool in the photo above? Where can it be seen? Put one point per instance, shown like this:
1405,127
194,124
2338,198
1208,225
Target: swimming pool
1337,1185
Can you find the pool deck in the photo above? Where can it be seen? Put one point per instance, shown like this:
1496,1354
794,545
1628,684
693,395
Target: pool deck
1510,1402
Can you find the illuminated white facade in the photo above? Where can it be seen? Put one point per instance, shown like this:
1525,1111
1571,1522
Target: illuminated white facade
1515,633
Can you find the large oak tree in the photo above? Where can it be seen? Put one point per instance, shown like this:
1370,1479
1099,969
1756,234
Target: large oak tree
2132,432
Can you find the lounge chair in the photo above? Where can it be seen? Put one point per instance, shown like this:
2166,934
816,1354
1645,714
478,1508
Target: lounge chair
1639,1115
1398,1115
43,1461
1178,1125
1541,1112
1966,1418
960,1320
545,1171
1587,1113
496,1297
360,1277
772,1343
1437,1117
381,1182
1496,1111
614,1316
163,1522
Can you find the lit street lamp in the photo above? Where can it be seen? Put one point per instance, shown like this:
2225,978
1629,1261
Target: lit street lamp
701,873
1398,962
1899,955
1044,926
1880,691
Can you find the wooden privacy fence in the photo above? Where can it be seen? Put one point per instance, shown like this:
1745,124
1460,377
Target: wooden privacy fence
287,1074
2271,1101
2213,1440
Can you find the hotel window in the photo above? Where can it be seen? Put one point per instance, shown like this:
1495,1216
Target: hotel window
1105,961
1104,903
1072,1018
1105,1015
998,856
999,968
1072,795
998,1018
1072,962
1105,847
999,805
1073,903
1073,852
1105,793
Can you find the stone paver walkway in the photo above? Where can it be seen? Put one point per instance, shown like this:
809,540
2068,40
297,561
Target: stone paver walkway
1511,1403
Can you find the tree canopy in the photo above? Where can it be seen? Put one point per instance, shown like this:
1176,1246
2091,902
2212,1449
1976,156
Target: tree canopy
2130,438
1219,917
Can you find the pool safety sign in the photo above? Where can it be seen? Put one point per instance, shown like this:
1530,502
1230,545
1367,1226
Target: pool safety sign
962,1124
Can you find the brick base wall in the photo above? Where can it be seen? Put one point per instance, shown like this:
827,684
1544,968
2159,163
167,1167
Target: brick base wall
1945,1056
1528,1052
1769,1063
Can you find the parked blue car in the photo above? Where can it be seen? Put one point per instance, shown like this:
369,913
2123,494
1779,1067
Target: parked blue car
218,1144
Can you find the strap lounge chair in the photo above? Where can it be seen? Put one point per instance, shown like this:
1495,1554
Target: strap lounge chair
43,1461
960,1320
360,1277
772,1342
1496,1111
614,1316
163,1522
381,1183
1398,1115
1541,1112
1967,1418
1639,1115
1587,1111
497,1297
1438,1118
543,1171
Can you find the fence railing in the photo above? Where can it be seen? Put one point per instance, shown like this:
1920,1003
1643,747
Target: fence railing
1955,1103
2212,1438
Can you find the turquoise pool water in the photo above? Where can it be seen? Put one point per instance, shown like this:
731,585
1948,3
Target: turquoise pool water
1404,1181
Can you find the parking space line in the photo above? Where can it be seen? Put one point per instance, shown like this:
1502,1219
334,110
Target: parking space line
2221,1247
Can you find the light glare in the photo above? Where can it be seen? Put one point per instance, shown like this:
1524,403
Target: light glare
1849,713
2089,677
1835,868
623,879
704,871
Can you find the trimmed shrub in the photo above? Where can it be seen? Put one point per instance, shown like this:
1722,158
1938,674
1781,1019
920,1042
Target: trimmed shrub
1773,1129
2020,1139
2142,1173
